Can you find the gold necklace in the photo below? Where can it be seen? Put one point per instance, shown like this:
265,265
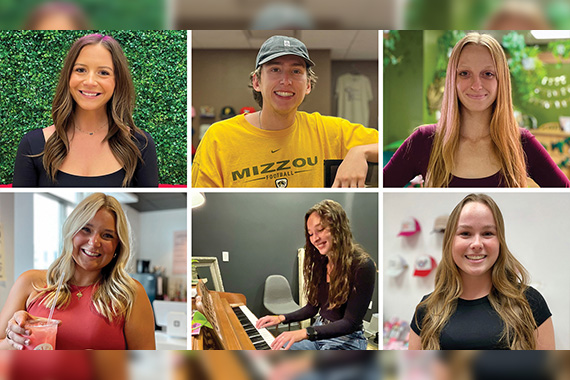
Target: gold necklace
79,293
88,133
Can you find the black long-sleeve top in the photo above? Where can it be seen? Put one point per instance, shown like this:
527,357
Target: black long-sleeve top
348,317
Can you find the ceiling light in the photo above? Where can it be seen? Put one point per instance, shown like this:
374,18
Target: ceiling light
550,34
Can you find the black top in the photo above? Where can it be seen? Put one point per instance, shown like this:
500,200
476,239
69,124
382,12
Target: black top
348,317
30,171
475,325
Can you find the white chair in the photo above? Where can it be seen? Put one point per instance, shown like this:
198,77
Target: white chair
277,296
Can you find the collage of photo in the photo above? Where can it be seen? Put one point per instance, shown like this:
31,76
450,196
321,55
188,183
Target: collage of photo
294,240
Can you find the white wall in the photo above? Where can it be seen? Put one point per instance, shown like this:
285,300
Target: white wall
537,230
156,240
24,232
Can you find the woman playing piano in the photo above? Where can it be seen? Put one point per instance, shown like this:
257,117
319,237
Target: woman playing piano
339,282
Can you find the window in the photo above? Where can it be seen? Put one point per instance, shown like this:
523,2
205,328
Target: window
49,214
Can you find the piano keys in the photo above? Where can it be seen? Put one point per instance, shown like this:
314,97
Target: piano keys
233,323
261,338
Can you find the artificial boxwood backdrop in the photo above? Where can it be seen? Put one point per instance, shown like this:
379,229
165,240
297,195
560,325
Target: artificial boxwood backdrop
30,63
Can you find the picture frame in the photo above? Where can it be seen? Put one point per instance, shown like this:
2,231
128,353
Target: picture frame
208,268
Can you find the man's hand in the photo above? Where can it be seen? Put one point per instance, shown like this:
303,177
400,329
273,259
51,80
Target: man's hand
352,172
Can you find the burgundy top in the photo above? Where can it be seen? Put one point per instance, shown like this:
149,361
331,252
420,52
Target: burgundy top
412,159
348,317
81,326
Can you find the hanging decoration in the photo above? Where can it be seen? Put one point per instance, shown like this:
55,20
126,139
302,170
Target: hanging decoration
553,92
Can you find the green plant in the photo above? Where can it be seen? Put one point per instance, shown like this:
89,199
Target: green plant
444,45
526,68
390,40
560,49
126,15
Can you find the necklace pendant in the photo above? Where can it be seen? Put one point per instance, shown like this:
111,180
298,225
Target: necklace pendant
79,294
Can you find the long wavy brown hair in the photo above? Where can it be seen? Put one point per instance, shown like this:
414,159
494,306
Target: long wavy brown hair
115,294
507,297
504,130
344,254
122,128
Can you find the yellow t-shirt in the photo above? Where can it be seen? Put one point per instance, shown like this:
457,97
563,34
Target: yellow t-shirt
234,153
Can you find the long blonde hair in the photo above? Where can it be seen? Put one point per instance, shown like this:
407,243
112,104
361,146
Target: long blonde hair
122,129
116,290
344,254
504,130
507,297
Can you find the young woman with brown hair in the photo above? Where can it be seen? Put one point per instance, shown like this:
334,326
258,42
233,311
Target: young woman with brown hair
94,141
481,299
339,283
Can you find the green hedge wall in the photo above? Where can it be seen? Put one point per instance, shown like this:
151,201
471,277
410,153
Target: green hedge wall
30,62
101,14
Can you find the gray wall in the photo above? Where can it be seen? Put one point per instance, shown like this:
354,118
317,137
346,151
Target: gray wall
262,232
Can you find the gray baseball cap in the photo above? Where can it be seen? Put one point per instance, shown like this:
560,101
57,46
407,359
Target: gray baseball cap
278,46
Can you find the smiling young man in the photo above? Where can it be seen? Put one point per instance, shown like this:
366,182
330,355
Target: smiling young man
280,146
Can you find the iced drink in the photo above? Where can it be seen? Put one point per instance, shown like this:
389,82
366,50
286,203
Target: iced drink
42,334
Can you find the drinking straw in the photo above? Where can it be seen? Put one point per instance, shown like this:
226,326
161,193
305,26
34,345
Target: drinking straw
56,294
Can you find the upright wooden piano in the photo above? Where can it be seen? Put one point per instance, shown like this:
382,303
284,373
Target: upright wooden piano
233,323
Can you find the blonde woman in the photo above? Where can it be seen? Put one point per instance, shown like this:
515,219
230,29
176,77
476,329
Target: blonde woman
481,299
339,282
477,142
100,305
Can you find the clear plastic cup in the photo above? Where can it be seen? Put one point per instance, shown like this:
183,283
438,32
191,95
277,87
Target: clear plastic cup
42,333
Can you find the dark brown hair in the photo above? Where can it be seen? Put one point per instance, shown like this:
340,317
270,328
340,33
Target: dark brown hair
344,254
